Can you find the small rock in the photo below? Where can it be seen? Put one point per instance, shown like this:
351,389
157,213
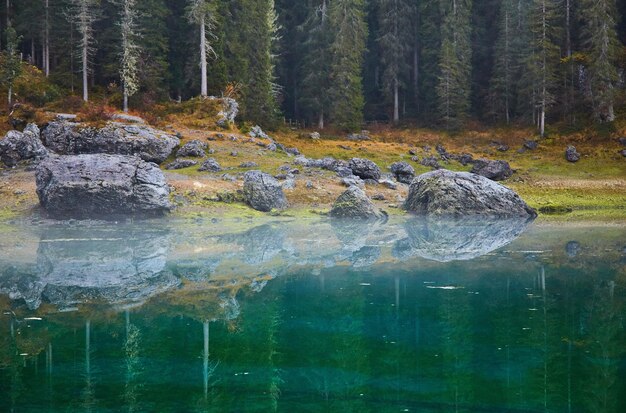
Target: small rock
125,118
502,148
622,141
571,154
364,168
431,162
248,164
234,153
378,197
466,159
309,185
403,172
531,145
389,184
289,184
345,148
262,192
194,148
623,152
271,146
354,203
314,135
353,181
180,164
292,151
363,136
210,165
257,132
494,170
415,159
412,152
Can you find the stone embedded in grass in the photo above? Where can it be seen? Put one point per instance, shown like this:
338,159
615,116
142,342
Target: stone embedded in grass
571,154
180,164
263,192
531,145
403,172
431,162
494,170
354,203
364,168
210,165
249,164
194,148
447,193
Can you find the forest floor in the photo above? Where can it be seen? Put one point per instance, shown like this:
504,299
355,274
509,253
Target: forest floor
592,189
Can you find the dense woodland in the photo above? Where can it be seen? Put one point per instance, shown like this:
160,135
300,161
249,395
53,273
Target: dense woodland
439,63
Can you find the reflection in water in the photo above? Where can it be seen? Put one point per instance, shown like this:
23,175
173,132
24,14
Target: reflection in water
401,316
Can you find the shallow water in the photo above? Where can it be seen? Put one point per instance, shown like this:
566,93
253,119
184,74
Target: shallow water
428,316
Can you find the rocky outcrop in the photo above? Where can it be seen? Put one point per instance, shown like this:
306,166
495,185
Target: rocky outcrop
403,172
263,192
571,154
230,110
446,193
21,146
69,138
194,148
364,168
354,203
86,186
494,170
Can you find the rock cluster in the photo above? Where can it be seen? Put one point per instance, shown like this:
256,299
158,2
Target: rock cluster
21,146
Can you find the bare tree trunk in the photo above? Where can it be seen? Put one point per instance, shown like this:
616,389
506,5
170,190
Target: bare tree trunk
396,104
10,97
125,108
203,63
320,122
46,45
85,68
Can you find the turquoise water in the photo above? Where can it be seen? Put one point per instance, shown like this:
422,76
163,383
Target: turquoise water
419,316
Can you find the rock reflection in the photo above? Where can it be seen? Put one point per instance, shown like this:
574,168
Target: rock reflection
457,240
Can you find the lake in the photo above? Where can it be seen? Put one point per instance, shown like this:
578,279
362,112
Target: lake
411,315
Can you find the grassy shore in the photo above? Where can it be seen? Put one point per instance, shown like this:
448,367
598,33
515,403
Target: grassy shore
592,189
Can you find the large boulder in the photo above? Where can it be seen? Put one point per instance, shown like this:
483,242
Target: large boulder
99,185
354,203
447,193
69,138
494,170
364,168
21,146
403,172
263,192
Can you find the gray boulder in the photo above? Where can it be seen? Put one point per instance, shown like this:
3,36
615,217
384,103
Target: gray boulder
194,148
571,154
180,164
21,146
85,186
263,192
447,193
210,165
68,138
403,172
431,162
494,170
364,168
531,145
354,203
230,110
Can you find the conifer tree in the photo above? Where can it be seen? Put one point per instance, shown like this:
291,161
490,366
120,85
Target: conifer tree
154,47
602,47
394,43
11,62
129,56
454,83
202,13
348,48
83,14
315,72
544,58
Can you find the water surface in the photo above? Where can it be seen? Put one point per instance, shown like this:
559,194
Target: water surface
408,315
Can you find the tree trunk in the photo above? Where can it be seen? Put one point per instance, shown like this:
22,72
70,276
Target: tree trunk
46,63
396,104
10,97
203,63
85,68
125,100
320,122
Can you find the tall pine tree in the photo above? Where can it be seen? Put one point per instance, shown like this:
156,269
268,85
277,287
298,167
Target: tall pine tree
348,48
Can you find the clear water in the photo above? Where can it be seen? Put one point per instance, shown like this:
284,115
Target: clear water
418,316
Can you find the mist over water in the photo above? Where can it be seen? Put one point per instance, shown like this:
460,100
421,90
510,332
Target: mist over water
405,315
